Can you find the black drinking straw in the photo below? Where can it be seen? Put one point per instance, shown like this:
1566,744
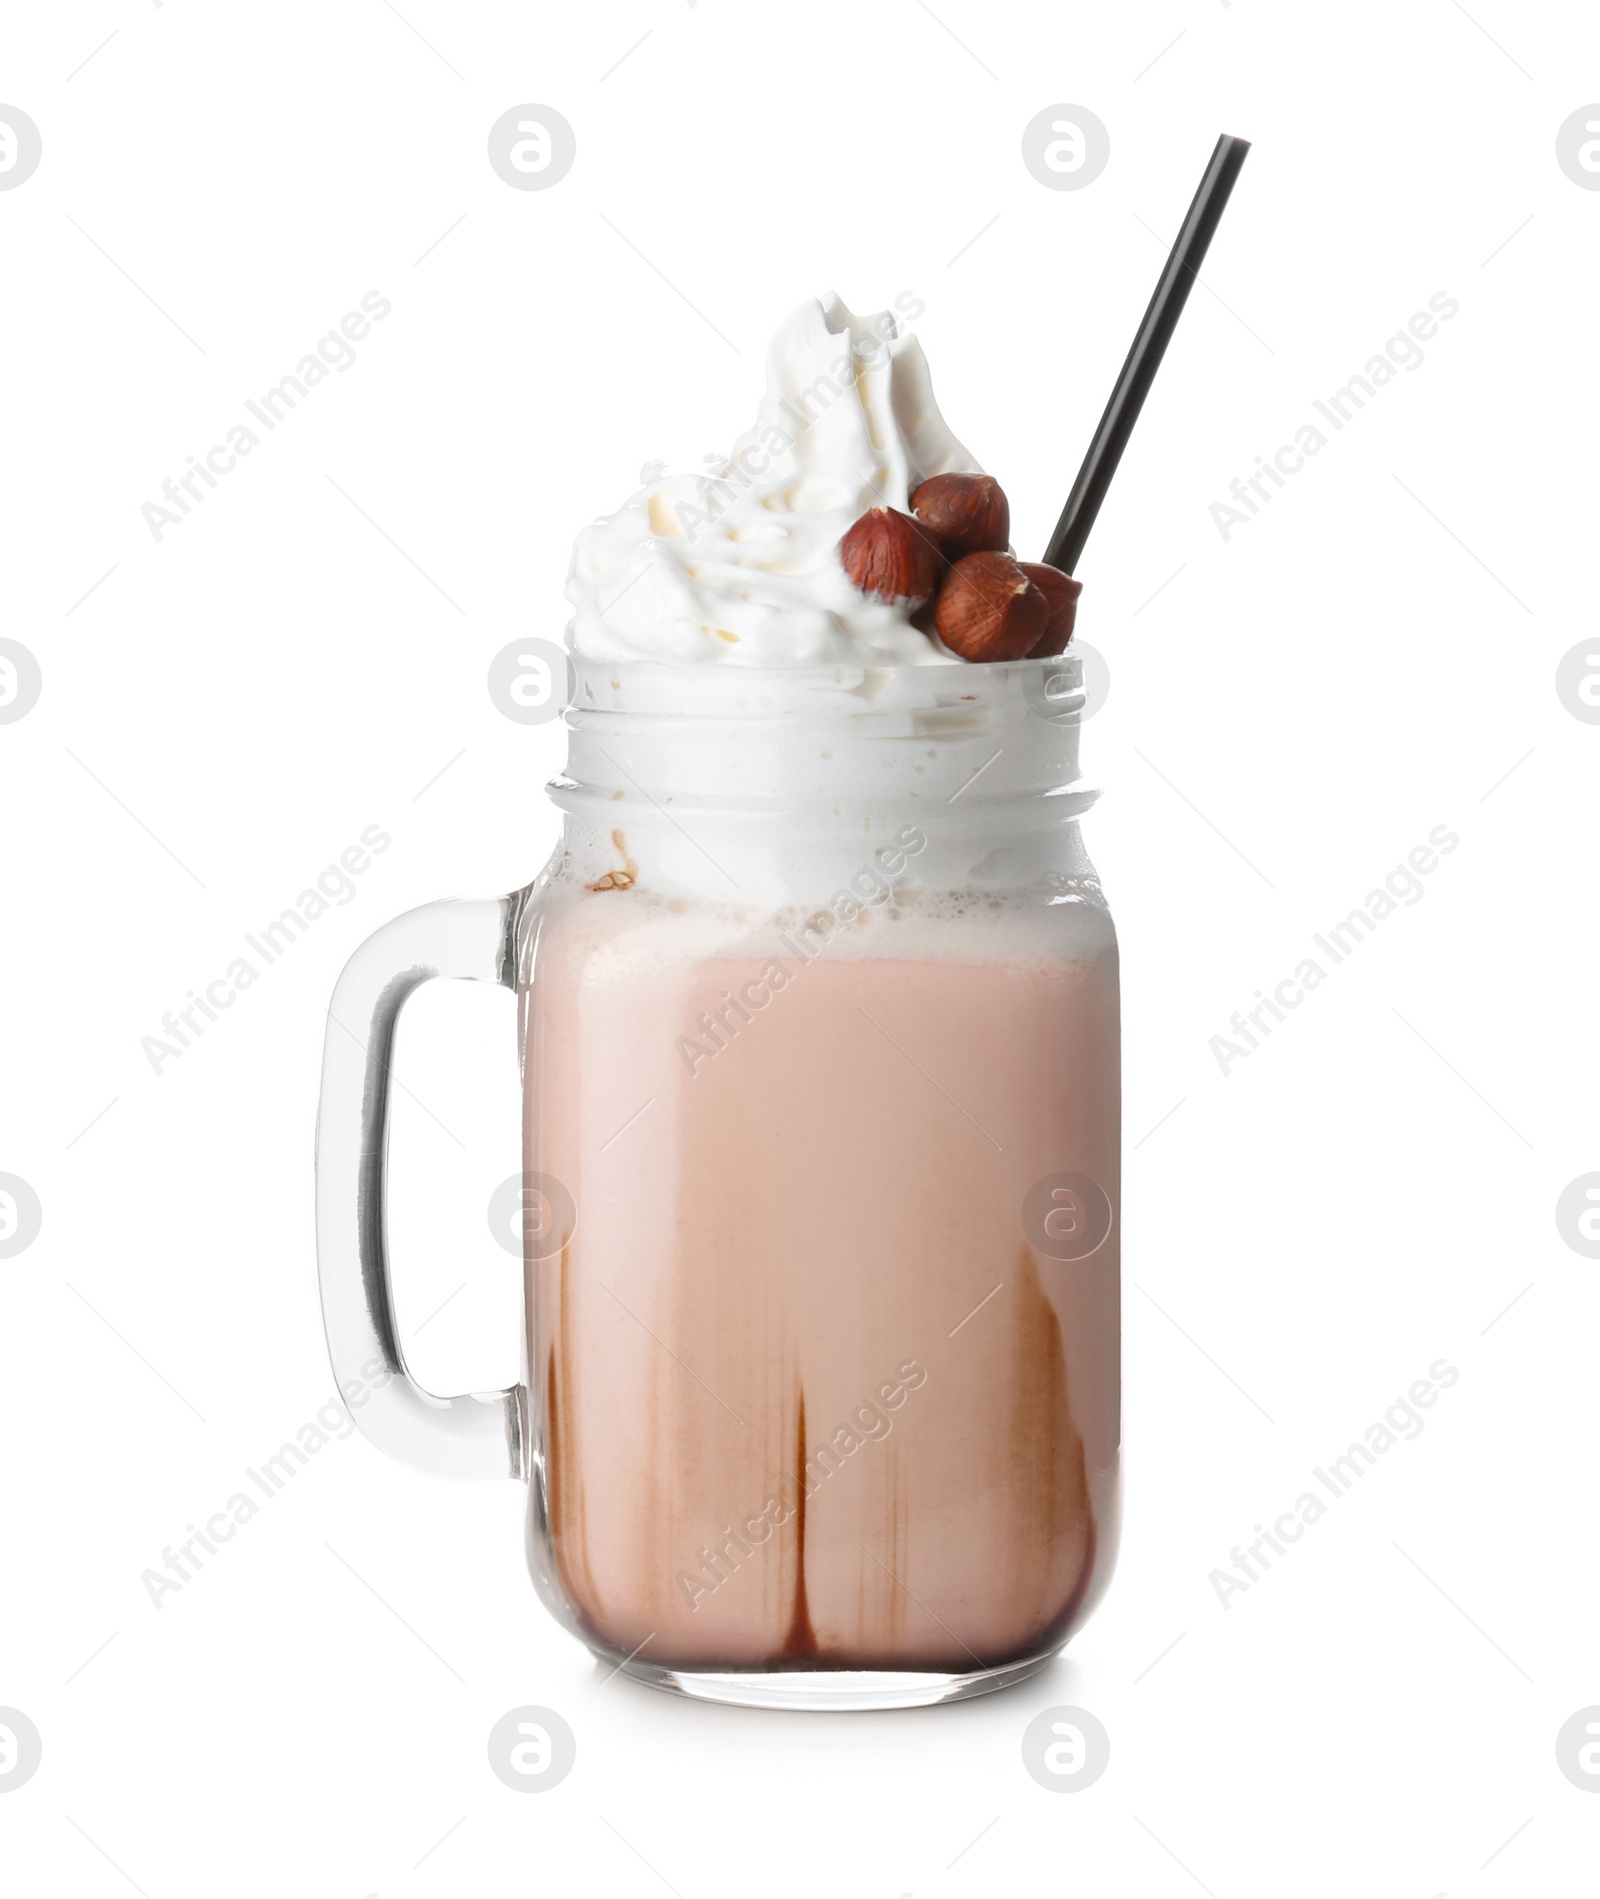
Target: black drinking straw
1144,359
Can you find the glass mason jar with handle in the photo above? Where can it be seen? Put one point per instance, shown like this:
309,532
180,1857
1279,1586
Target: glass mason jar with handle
819,1035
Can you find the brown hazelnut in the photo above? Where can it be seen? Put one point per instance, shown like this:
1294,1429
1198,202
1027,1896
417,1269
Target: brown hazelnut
892,557
969,513
1061,596
989,609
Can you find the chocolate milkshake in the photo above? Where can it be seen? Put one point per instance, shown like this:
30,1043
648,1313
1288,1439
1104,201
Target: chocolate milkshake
818,997
812,1396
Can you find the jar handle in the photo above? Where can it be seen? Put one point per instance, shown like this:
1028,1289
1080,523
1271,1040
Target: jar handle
481,1434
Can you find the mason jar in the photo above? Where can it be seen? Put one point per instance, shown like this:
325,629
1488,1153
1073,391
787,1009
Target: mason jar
818,1022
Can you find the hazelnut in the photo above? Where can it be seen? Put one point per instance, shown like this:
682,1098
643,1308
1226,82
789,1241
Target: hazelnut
989,609
892,557
1061,596
969,513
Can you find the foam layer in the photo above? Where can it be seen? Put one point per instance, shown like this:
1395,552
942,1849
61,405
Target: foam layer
759,787
627,935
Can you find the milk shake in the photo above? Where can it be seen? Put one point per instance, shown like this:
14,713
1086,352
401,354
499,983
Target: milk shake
812,1396
819,997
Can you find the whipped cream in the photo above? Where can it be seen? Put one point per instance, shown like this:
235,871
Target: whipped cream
737,564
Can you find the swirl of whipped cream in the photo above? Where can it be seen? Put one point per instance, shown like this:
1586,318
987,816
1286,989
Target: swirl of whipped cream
737,564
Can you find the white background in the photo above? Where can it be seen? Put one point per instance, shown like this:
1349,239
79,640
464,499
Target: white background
1294,711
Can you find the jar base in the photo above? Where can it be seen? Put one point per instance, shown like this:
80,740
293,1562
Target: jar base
829,1691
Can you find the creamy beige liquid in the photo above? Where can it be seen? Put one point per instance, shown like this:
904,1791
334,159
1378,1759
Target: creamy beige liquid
807,1395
